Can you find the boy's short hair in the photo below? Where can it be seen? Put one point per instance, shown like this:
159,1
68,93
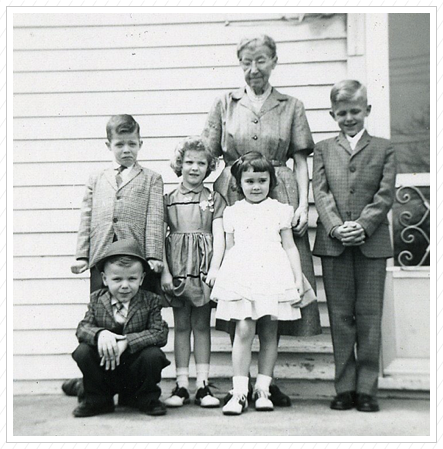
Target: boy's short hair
194,143
122,261
121,124
258,163
258,39
348,90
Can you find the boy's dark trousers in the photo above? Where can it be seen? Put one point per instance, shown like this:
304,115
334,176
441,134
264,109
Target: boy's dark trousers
136,379
354,286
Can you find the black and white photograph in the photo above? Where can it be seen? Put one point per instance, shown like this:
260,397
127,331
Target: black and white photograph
221,224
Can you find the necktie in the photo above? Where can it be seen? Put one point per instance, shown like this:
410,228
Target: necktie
118,176
119,313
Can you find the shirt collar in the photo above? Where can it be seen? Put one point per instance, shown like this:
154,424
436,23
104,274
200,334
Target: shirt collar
185,190
356,138
116,166
114,301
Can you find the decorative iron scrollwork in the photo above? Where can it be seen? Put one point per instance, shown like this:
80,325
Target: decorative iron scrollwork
411,230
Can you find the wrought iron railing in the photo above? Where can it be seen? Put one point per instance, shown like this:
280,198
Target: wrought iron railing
411,224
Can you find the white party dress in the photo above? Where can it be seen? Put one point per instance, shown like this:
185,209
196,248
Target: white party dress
256,278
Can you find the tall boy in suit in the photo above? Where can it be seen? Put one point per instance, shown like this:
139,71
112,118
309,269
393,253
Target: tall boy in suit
353,182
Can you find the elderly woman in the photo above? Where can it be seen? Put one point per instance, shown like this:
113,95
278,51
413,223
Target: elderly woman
257,117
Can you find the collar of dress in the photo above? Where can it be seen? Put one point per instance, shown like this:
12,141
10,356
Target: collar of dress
240,93
185,190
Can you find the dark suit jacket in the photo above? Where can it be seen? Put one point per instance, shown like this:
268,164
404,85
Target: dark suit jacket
144,325
356,186
132,211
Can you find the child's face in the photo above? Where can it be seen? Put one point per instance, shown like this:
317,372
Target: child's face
255,185
195,167
123,282
125,148
350,115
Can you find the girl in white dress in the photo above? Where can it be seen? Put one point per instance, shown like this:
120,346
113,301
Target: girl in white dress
260,279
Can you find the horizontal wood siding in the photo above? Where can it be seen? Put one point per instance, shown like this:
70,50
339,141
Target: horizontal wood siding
71,73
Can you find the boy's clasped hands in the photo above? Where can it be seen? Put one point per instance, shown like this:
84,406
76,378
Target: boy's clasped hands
350,233
110,348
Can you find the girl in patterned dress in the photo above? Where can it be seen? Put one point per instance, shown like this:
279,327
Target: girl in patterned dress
260,281
193,253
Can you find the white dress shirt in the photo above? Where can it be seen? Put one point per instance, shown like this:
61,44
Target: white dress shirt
354,140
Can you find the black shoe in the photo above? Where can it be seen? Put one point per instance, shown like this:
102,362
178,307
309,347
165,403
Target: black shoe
343,401
70,387
204,397
74,387
154,408
367,403
179,397
86,409
278,398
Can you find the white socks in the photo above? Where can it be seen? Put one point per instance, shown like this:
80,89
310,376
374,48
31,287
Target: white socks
263,382
202,371
183,377
240,385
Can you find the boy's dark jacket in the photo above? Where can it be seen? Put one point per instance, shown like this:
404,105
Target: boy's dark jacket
357,186
144,324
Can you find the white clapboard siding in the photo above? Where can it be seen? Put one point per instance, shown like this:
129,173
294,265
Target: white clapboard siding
144,102
170,34
168,57
71,73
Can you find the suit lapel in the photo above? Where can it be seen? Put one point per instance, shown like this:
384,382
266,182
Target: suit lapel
362,143
106,301
134,306
136,169
110,176
343,142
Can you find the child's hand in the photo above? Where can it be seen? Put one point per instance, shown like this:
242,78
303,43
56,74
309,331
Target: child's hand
155,265
108,349
350,233
211,277
79,266
166,282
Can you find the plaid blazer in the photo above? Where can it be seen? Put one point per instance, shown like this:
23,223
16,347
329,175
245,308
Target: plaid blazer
144,324
354,185
134,210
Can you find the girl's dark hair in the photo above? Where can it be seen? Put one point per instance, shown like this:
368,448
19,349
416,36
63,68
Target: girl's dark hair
258,163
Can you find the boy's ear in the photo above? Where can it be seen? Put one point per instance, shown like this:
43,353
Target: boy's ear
108,144
368,109
141,143
331,113
142,278
104,279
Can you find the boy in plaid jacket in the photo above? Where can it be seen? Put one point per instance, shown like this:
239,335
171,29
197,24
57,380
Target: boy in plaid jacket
121,202
120,338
